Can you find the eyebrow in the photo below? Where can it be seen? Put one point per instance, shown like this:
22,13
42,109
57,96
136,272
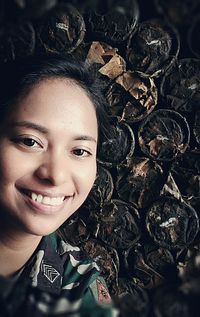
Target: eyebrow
43,130
30,125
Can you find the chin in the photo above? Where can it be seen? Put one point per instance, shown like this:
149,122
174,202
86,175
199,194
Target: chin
40,232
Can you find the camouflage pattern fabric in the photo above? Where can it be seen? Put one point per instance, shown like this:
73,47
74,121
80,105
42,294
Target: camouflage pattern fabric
59,280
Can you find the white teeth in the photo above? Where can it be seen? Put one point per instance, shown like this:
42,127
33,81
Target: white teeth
46,200
39,198
55,201
33,196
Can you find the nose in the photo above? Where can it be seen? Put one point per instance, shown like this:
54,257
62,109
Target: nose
53,169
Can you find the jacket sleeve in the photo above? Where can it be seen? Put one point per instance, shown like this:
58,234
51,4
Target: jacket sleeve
96,301
98,291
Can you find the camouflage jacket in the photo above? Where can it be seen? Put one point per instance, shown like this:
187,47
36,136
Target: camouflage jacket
59,280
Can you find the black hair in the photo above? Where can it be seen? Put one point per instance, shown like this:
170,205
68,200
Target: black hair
19,76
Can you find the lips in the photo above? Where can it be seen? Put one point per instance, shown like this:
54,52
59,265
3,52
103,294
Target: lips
28,193
43,203
44,199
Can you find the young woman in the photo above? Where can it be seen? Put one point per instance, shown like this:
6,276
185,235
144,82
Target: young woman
51,118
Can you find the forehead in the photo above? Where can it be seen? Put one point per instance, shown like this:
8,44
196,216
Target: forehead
57,103
57,91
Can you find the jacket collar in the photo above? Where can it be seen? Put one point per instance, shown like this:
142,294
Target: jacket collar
47,267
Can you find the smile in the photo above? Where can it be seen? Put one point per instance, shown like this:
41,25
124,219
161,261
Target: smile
44,204
45,200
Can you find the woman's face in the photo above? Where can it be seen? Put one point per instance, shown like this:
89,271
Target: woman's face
47,157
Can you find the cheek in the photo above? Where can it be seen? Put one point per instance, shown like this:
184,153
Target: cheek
8,176
12,167
86,178
7,169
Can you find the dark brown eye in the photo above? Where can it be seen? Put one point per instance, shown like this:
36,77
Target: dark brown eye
81,152
29,142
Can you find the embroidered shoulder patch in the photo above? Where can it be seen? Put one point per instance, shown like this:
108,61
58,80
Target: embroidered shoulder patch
50,273
102,291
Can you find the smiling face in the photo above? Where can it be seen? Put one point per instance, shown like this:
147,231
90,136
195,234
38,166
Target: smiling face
47,157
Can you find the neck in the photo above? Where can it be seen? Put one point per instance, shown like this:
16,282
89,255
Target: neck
15,250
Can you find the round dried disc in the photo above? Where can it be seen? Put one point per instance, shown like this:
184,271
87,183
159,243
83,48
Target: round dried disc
180,86
153,48
117,224
138,268
131,299
186,173
62,30
119,147
164,135
75,230
172,223
178,12
112,21
17,41
132,96
188,263
140,183
102,189
160,259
